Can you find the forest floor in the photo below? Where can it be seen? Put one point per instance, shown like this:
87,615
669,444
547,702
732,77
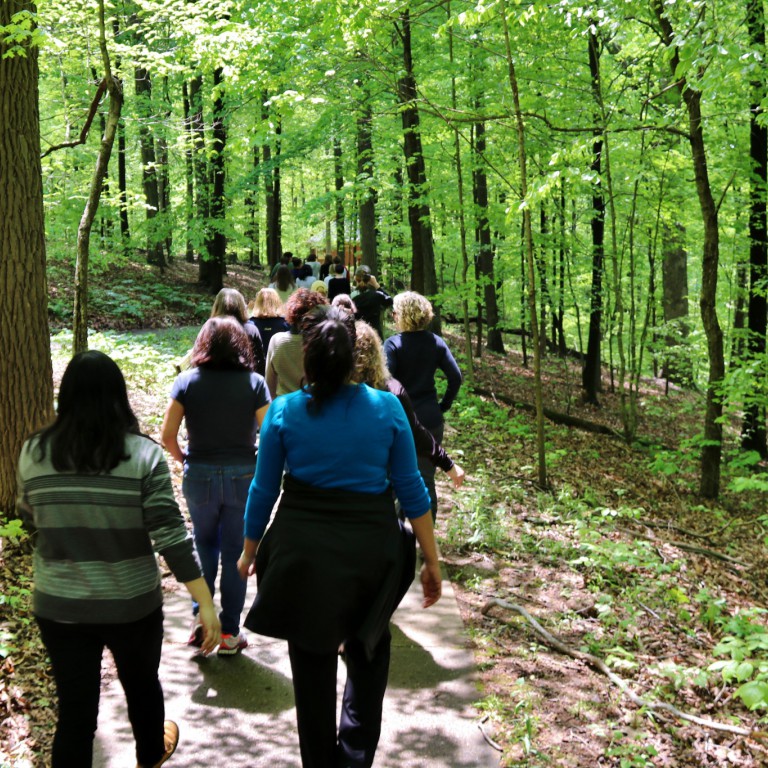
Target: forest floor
649,601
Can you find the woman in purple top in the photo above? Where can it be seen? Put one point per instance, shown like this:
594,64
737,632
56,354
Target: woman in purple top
223,402
414,355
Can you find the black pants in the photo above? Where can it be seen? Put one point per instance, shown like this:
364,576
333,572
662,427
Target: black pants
314,686
75,651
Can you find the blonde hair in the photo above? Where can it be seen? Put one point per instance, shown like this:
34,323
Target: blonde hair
267,304
320,287
370,363
412,311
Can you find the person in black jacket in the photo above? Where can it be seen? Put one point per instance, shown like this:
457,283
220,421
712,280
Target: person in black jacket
370,298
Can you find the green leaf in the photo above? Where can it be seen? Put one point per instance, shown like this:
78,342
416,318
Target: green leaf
753,694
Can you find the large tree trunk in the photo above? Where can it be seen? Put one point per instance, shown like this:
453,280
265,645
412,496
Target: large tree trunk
753,427
26,380
590,377
423,275
485,266
711,452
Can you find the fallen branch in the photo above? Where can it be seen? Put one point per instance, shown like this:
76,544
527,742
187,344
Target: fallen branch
600,666
488,740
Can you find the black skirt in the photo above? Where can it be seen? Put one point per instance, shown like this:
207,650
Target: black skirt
332,566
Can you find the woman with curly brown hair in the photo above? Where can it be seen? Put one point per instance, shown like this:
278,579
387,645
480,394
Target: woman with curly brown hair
223,402
285,358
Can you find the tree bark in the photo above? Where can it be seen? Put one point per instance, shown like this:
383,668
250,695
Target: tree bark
485,256
217,244
753,433
590,378
423,275
711,452
338,183
26,379
80,320
189,174
366,194
674,275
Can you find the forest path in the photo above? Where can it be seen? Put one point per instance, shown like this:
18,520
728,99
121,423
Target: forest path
239,710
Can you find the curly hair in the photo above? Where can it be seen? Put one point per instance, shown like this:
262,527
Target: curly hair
229,303
412,312
267,304
222,344
370,363
343,301
300,302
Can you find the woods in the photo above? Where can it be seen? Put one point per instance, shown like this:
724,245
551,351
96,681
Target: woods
574,181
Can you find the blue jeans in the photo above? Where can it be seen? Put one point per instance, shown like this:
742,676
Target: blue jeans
216,496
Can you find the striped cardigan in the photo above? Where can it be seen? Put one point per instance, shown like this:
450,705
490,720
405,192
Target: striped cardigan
96,535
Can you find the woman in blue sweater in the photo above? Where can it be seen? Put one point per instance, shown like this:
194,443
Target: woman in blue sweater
414,355
332,566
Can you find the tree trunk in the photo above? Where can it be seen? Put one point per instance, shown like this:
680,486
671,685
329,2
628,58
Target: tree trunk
528,236
80,320
217,244
485,257
753,433
252,210
366,194
189,174
590,378
711,452
423,275
143,85
338,179
674,276
26,380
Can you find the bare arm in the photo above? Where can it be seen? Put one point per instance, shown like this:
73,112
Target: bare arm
431,576
210,621
169,435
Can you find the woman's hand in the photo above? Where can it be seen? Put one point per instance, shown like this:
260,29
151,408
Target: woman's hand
457,474
211,628
246,565
431,583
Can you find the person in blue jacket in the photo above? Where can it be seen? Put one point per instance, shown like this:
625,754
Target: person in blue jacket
332,566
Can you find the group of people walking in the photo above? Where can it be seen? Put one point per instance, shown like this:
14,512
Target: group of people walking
332,565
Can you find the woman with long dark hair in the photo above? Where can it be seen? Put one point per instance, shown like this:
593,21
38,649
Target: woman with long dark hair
333,565
98,495
223,402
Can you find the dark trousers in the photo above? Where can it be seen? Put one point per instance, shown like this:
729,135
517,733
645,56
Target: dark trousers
75,651
314,686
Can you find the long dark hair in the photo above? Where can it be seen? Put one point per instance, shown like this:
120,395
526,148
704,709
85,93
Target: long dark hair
93,417
329,353
284,278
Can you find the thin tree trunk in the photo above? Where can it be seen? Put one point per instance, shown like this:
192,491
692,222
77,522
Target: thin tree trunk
189,174
338,181
711,452
522,159
80,320
366,190
590,379
217,245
